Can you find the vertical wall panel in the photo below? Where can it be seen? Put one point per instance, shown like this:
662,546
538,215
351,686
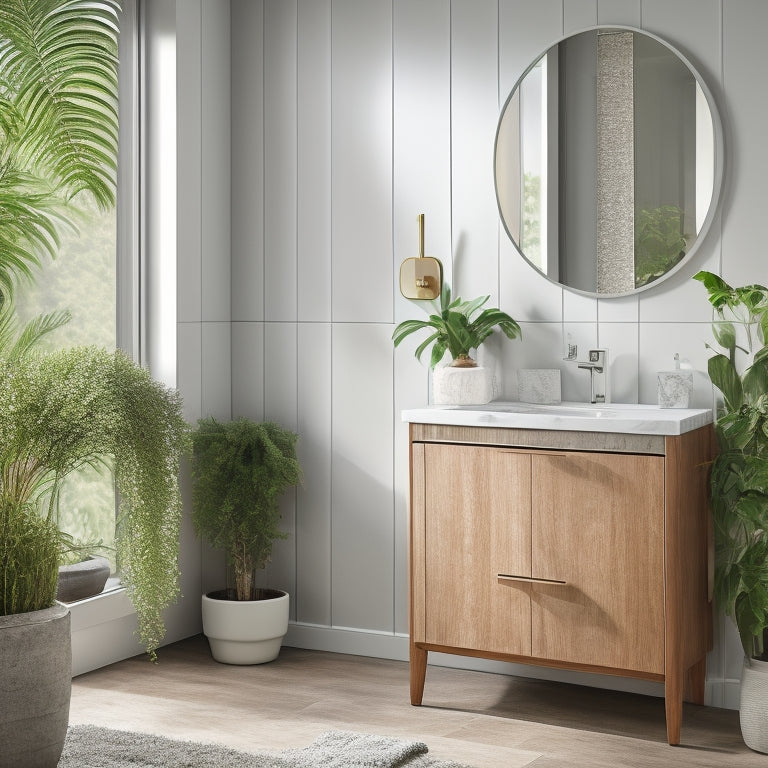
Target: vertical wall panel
745,70
313,504
216,376
189,148
619,12
314,160
362,161
280,128
474,114
525,31
578,14
248,370
363,530
422,138
247,166
215,161
280,387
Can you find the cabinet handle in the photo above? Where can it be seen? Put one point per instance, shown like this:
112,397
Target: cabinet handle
528,579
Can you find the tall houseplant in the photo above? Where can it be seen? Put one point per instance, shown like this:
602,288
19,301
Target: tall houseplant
240,471
739,483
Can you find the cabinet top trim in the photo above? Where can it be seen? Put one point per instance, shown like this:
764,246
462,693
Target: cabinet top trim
613,442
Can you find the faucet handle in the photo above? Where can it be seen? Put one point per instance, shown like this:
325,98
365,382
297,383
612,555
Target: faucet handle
597,357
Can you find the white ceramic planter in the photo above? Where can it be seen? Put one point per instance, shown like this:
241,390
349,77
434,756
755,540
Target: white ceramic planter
245,631
452,385
753,710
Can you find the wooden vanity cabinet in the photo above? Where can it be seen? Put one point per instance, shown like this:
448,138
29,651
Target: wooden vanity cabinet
525,547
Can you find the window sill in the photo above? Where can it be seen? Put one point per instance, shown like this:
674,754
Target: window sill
108,606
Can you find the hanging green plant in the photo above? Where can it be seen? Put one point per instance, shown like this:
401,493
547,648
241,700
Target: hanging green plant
62,410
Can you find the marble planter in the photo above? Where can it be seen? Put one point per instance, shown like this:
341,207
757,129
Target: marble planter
36,653
245,631
452,385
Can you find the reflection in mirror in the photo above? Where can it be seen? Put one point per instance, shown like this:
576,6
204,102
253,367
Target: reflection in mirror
607,161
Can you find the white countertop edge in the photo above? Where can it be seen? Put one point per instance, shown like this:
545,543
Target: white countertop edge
624,418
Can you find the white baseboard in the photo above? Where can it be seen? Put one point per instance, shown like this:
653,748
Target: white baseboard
382,645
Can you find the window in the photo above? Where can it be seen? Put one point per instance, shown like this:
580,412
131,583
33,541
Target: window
95,277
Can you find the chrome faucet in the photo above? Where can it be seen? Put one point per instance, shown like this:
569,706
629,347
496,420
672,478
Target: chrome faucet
597,365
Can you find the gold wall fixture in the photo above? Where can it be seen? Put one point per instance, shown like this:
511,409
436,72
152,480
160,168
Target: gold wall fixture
421,278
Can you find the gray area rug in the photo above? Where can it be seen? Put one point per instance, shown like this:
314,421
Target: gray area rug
88,746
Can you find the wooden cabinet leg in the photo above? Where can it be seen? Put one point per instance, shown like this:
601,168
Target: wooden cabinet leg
673,701
697,675
418,673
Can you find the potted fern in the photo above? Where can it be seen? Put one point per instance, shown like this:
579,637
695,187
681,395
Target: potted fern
739,485
457,328
240,470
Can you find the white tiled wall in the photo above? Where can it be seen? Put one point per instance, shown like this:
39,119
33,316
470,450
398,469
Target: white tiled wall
350,117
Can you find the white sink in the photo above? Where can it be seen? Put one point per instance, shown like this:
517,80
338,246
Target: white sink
628,418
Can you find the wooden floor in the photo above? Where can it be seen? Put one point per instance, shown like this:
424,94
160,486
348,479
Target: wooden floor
484,720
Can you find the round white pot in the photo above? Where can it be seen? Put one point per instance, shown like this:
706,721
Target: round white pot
245,631
753,710
452,385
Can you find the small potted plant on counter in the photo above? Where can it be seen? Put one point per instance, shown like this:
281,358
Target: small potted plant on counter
739,486
457,328
240,470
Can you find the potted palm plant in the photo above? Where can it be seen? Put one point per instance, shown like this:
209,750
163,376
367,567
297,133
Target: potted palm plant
457,328
58,133
240,470
739,485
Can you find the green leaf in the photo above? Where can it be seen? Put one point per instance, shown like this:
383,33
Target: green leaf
724,376
724,333
719,291
755,381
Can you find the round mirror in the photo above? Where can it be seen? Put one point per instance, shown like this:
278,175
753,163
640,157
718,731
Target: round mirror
608,161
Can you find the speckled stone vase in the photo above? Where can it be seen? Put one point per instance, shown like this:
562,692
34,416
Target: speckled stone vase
36,653
753,710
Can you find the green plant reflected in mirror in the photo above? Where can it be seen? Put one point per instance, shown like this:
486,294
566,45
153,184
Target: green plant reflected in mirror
608,161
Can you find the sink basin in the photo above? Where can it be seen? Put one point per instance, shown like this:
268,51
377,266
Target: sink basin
579,410
628,418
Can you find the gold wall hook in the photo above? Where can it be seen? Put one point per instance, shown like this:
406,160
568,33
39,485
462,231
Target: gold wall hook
421,278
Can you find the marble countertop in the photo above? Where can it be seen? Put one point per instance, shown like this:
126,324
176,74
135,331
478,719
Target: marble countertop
627,418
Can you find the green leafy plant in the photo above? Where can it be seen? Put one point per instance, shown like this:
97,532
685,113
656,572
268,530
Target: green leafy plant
63,410
739,477
659,242
457,329
58,122
240,469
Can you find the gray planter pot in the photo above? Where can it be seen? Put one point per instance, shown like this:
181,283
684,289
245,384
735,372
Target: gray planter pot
36,653
753,709
81,580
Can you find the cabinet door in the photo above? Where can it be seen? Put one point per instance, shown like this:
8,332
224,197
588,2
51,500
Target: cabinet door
598,526
477,526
